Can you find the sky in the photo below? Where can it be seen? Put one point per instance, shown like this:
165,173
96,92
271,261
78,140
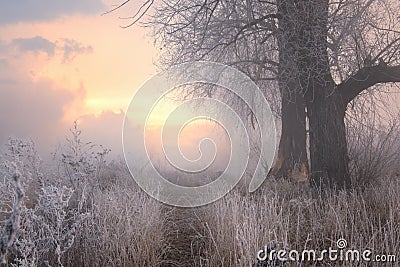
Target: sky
62,61
66,61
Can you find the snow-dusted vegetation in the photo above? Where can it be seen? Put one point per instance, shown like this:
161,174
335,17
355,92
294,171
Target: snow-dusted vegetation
83,210
79,211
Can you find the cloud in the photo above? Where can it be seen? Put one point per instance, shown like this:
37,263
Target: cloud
35,44
6,82
45,10
72,48
3,63
33,110
3,46
36,111
31,106
69,48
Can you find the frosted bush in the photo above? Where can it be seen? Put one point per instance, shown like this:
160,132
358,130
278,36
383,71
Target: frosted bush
48,231
42,227
82,163
25,247
57,222
10,227
78,212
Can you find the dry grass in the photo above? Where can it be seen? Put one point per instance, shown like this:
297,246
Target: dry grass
128,228
123,226
238,226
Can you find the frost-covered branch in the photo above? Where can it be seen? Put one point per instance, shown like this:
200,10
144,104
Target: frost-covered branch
10,228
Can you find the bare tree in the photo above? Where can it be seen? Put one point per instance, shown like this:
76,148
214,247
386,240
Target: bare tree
245,35
320,55
339,34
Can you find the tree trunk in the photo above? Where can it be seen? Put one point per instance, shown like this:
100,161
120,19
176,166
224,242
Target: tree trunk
328,145
325,107
292,153
292,159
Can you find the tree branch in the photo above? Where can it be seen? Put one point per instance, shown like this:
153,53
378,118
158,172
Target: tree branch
367,77
256,22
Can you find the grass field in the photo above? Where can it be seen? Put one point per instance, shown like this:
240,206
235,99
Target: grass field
83,211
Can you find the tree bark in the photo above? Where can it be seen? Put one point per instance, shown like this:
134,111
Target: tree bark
328,145
325,106
292,159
